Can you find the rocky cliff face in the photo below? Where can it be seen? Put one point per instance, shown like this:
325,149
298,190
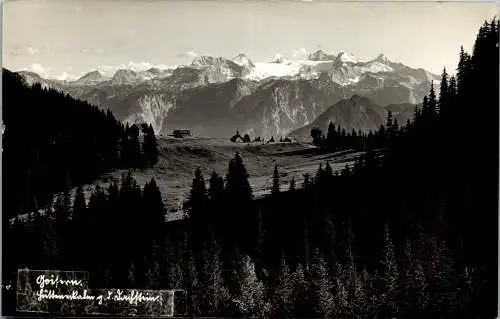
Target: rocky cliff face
280,106
154,109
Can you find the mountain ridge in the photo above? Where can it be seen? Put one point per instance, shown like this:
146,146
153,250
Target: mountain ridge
262,99
316,56
358,113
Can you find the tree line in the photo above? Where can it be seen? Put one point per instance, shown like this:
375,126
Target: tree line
338,139
52,142
405,230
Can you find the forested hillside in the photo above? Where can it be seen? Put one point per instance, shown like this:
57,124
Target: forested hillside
53,142
410,230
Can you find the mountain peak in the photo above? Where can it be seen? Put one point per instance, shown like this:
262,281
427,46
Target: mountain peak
29,73
240,56
93,75
382,58
122,72
153,70
204,60
124,75
243,60
278,58
345,57
320,55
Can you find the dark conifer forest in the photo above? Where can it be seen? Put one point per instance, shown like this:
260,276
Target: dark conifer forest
409,231
53,142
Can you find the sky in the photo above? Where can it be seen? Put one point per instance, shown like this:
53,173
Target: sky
67,38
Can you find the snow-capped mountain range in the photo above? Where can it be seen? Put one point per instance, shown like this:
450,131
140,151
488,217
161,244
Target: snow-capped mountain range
345,68
213,95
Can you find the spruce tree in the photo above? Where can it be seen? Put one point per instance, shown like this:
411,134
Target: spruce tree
240,208
216,189
415,296
46,239
153,274
275,190
426,110
307,181
389,123
328,172
175,275
135,146
381,136
216,193
292,185
61,224
443,281
98,204
319,174
237,185
452,90
154,207
462,71
331,137
282,301
341,300
198,197
260,239
78,229
346,171
79,203
131,154
130,199
113,198
317,136
395,127
252,301
99,218
319,289
212,287
391,272
360,294
433,104
191,284
301,308
306,243
130,206
443,92
354,140
150,145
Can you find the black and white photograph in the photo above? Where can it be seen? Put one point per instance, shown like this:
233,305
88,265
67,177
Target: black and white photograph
250,159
